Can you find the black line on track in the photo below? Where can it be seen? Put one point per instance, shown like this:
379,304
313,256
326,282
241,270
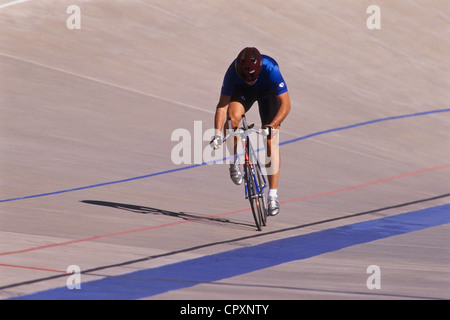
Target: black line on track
93,271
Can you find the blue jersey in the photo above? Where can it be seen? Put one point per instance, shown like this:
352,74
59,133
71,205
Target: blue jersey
270,78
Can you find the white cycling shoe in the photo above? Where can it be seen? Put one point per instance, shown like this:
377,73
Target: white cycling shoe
273,207
235,173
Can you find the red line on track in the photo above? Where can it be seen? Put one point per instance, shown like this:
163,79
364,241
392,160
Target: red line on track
222,214
120,233
368,183
33,268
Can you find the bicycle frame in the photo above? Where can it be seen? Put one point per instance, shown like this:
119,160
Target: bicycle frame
260,180
254,180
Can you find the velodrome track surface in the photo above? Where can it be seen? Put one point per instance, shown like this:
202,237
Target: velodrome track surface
87,177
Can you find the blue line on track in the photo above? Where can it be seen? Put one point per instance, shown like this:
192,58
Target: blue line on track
418,114
206,163
215,267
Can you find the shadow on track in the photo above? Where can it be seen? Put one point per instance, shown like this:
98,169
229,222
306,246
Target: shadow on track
150,210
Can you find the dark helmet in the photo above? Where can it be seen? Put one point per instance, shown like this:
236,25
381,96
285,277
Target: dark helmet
249,64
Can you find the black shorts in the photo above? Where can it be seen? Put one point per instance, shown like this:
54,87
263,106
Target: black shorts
267,101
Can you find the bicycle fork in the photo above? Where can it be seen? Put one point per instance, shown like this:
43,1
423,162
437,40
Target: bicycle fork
251,171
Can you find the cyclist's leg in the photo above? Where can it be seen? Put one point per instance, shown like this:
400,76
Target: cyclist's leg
235,111
274,161
241,101
268,108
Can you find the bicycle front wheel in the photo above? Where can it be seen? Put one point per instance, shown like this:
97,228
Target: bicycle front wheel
262,200
263,210
256,202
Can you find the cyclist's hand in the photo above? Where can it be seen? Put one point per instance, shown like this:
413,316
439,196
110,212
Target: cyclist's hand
269,132
216,142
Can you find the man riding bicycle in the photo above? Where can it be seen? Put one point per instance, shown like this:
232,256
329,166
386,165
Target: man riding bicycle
254,77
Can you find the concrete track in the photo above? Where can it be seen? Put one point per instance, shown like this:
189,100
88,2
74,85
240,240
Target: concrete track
87,177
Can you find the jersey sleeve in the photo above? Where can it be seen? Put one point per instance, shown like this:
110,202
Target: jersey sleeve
229,81
278,84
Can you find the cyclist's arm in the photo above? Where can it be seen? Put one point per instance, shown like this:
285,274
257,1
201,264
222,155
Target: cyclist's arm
221,113
285,107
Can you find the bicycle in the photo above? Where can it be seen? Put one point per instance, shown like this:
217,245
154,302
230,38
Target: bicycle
254,179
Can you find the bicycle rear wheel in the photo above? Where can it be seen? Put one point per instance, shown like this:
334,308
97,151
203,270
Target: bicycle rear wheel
256,202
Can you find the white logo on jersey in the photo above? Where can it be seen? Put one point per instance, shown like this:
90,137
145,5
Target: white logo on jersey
281,85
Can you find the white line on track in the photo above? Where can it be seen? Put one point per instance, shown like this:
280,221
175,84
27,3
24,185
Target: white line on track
12,3
104,82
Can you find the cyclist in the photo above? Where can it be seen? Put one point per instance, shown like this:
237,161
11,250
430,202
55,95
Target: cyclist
254,77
